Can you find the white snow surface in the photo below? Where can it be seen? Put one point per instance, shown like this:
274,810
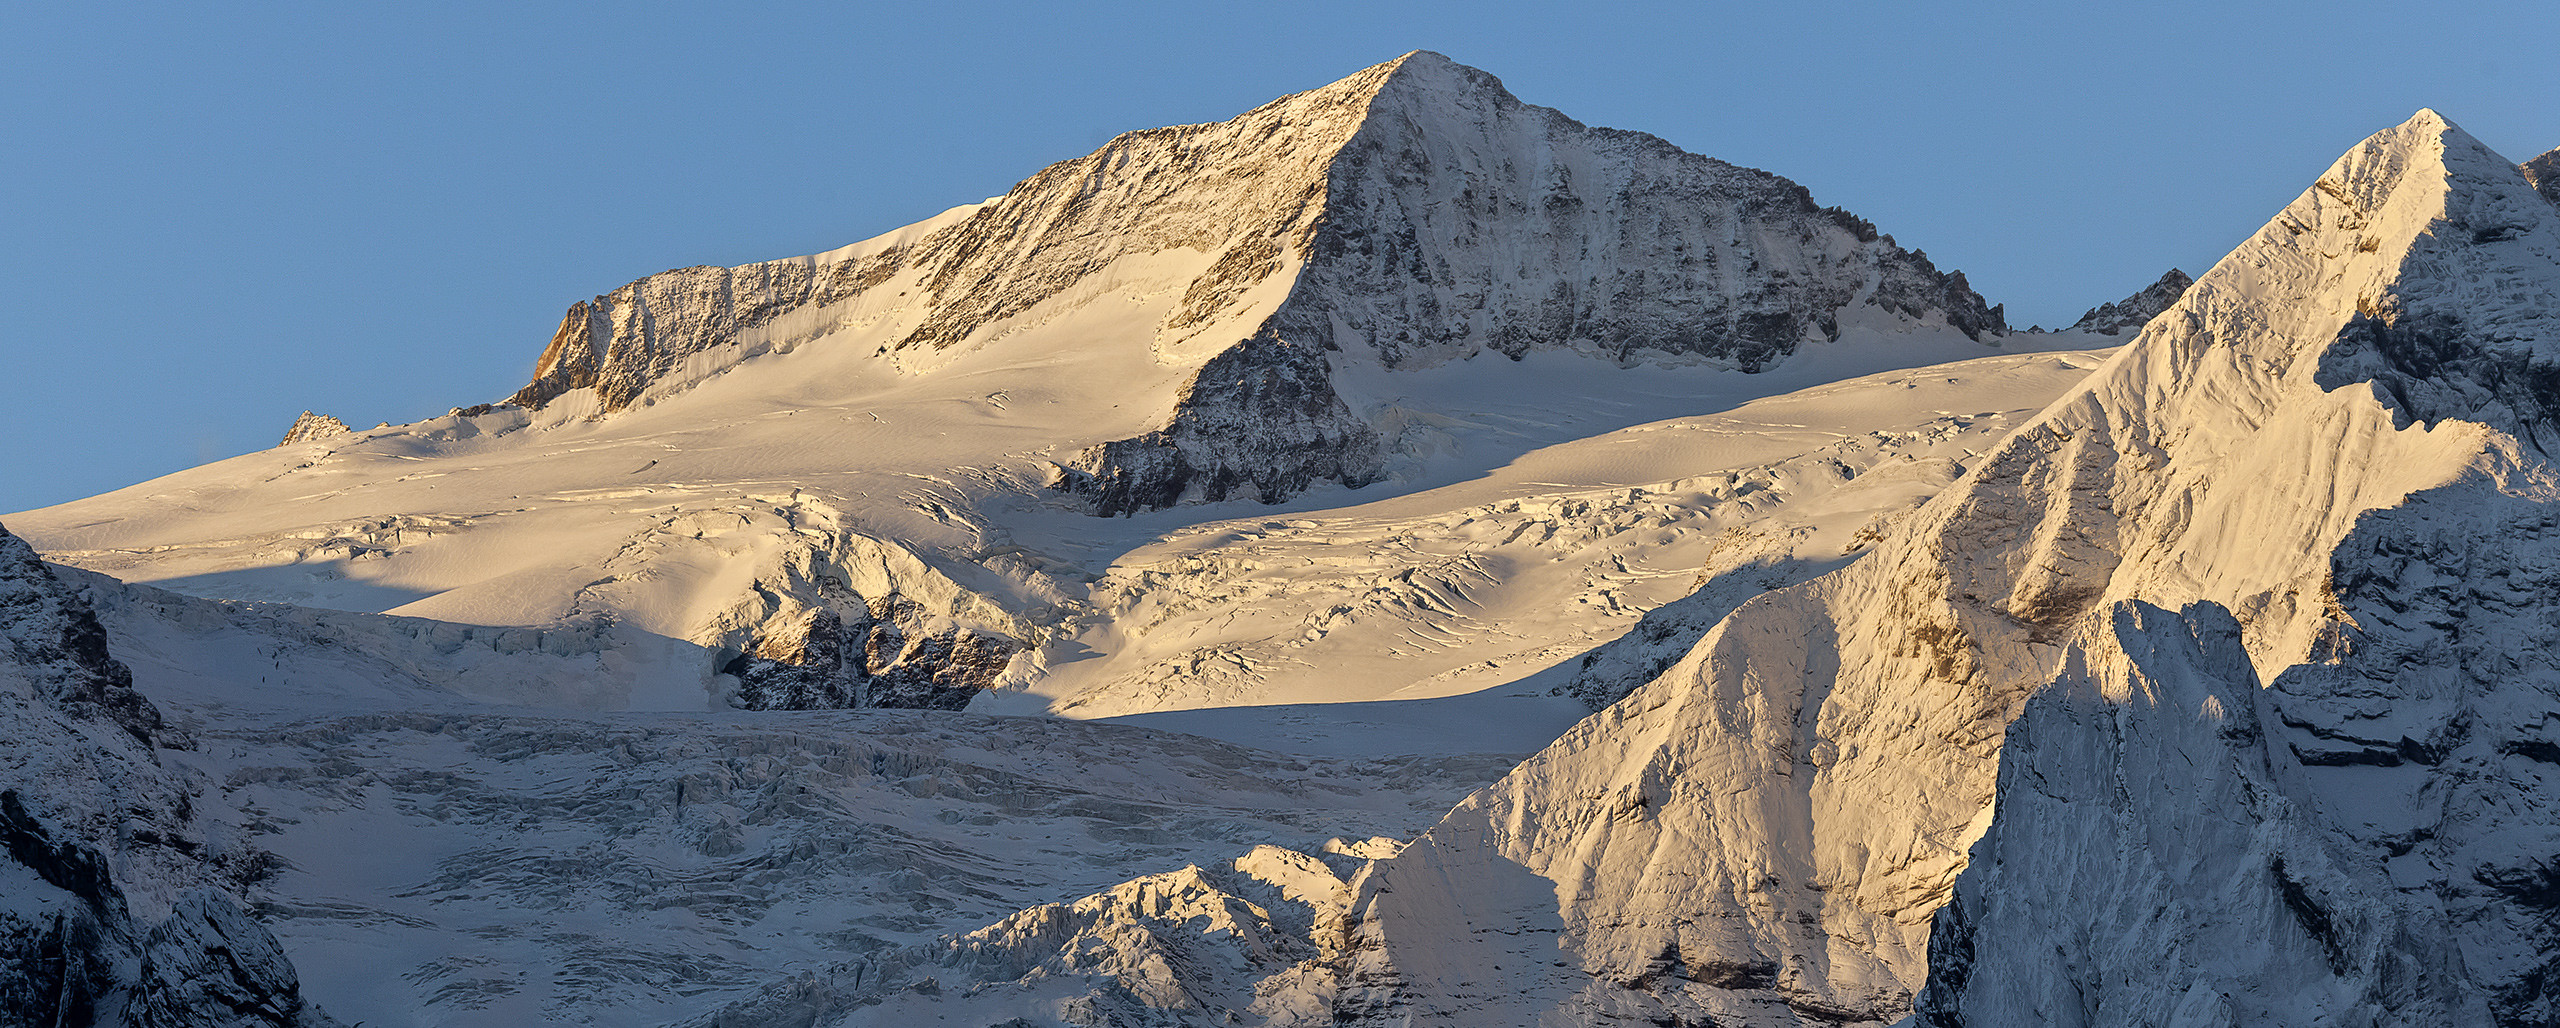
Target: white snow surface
464,676
1762,834
428,782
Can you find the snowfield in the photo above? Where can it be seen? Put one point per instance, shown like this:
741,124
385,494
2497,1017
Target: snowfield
1398,557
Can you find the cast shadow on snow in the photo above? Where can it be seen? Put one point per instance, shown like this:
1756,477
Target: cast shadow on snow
319,584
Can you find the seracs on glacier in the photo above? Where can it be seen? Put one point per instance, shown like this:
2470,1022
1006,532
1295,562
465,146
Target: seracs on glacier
1923,689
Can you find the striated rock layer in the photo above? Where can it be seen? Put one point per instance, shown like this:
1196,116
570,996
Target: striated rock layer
1412,214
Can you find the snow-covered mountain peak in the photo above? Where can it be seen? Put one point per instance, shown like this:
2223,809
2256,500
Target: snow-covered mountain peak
2421,261
1405,216
2330,438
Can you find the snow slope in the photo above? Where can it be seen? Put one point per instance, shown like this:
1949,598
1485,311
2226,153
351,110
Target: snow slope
422,783
1762,834
118,899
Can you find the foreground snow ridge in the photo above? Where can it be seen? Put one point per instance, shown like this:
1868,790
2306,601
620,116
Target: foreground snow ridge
1552,579
2329,437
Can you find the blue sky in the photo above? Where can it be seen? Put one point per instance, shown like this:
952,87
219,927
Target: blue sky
219,215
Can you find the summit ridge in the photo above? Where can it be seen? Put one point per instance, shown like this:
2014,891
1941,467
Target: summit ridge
1548,577
1408,215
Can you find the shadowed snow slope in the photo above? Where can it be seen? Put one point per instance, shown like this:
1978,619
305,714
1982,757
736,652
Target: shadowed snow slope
2339,435
115,902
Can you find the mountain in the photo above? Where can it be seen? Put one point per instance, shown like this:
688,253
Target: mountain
1410,215
838,481
557,661
2137,310
1551,579
2332,453
119,907
2218,693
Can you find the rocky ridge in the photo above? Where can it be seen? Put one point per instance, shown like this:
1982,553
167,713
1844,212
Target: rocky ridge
1411,214
2133,312
115,905
2286,442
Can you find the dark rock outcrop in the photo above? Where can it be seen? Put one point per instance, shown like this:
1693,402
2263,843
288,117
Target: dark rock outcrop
312,426
2544,173
1423,215
114,910
891,658
2133,312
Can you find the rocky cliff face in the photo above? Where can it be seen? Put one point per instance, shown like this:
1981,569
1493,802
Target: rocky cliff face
114,905
1411,214
312,426
2133,312
2544,173
838,619
2313,439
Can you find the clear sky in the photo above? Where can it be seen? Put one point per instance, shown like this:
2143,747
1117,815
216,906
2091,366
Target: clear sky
213,216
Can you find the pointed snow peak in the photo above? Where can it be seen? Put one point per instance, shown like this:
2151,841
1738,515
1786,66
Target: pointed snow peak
1423,67
2421,262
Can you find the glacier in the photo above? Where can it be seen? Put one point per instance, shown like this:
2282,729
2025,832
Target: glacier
1399,556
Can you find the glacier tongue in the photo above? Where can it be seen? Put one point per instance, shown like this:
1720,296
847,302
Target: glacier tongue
1762,834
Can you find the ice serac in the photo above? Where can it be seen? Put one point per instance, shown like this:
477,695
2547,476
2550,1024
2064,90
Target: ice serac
1411,214
2133,312
2340,435
114,904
